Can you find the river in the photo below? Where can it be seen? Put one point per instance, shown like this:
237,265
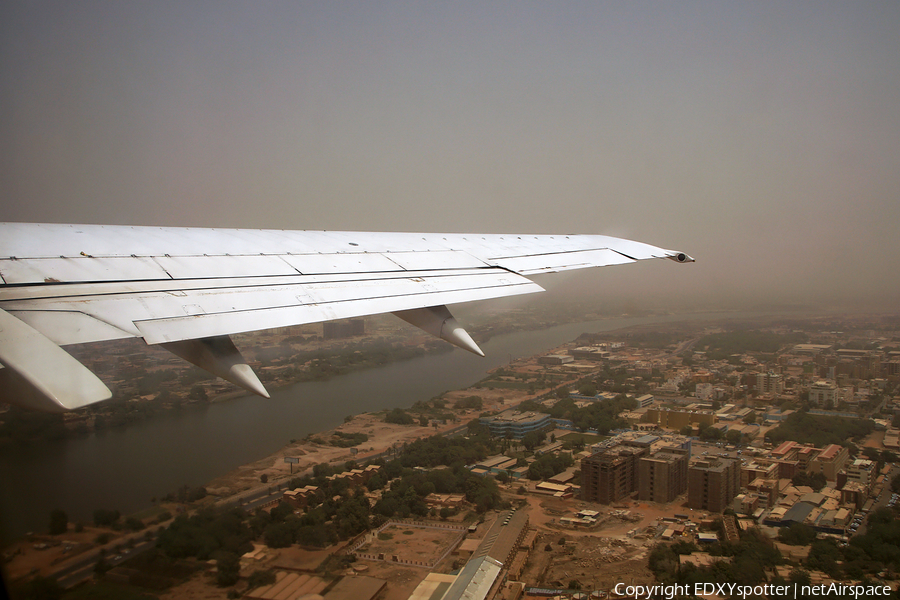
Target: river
124,468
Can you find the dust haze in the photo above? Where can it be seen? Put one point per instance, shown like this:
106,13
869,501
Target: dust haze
764,140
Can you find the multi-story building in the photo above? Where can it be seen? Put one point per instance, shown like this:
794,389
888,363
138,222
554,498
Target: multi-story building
678,419
824,393
829,461
863,472
769,383
713,483
644,401
515,423
758,469
663,476
786,451
611,475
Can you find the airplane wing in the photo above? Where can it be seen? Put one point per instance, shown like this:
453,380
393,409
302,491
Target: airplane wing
189,289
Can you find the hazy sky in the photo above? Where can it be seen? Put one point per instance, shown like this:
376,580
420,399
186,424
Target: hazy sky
763,138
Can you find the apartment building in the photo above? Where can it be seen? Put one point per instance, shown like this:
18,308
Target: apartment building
829,461
663,476
824,393
770,383
713,483
863,472
758,469
611,475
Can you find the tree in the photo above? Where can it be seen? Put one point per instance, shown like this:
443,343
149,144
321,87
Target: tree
59,522
711,433
814,480
532,440
228,568
260,578
587,389
198,394
399,416
797,534
278,535
733,436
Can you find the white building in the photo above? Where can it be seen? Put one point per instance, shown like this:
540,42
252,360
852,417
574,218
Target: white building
824,393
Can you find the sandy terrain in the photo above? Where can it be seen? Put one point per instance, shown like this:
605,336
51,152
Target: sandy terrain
41,553
875,440
411,543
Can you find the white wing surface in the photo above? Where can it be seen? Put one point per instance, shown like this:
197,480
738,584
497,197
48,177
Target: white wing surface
189,289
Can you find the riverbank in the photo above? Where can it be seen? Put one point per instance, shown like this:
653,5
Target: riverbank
382,438
125,468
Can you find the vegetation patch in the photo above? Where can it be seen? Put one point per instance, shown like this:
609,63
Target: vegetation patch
398,416
720,346
820,430
348,440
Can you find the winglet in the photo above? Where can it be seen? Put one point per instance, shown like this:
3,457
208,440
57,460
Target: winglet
219,356
40,374
438,321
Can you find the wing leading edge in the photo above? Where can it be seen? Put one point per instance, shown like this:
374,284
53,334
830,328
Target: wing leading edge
190,289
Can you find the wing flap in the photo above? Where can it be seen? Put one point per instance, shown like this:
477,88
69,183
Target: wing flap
65,318
343,303
563,261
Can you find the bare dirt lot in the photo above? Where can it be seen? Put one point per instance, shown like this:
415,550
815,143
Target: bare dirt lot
596,562
421,544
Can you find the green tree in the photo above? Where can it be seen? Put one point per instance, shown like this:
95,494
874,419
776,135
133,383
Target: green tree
278,535
260,578
399,416
587,389
797,534
533,439
228,569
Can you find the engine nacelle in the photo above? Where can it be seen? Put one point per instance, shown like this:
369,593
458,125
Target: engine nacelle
681,257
